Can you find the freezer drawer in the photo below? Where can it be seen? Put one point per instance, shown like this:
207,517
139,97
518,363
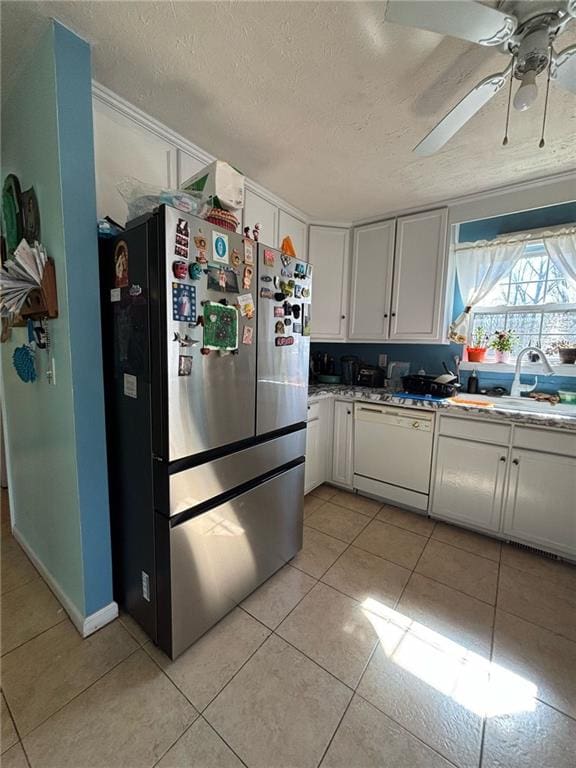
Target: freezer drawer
220,556
197,485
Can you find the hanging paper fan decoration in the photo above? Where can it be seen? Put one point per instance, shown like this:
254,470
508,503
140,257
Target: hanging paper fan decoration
24,363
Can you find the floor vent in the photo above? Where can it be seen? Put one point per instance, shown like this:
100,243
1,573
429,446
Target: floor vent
535,550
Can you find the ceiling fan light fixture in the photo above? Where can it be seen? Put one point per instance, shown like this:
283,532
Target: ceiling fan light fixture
527,94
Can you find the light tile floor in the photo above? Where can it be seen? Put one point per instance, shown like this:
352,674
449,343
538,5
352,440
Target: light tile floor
390,640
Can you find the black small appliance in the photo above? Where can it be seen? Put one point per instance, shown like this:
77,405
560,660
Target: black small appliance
370,376
349,367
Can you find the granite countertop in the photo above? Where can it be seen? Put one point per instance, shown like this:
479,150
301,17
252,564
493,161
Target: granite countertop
504,412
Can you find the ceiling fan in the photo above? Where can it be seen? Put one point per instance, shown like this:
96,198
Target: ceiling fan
524,30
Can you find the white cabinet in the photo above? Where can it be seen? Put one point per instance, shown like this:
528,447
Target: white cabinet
290,226
123,150
420,288
541,501
313,469
342,449
371,281
188,166
516,481
257,210
328,253
469,482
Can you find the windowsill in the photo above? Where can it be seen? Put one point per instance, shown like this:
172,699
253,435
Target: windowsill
534,369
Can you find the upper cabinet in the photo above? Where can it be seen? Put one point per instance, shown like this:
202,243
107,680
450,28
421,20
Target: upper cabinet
188,165
125,150
371,281
400,279
257,210
328,253
290,226
419,292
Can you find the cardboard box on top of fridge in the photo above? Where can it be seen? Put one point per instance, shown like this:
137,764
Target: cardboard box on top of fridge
218,180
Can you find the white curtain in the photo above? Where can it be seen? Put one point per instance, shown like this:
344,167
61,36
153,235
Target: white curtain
562,250
479,268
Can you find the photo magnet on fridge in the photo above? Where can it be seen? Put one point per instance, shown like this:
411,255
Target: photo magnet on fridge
183,302
269,258
182,239
248,251
121,264
219,248
223,280
184,365
247,334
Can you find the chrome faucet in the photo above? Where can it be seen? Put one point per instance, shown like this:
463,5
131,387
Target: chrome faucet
517,389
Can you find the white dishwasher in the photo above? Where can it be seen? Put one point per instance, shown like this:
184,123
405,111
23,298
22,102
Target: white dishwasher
393,453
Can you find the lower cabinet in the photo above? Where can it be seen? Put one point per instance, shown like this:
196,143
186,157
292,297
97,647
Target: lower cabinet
469,482
313,473
342,448
541,500
517,490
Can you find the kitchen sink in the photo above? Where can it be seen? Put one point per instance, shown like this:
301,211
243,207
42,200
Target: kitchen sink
526,404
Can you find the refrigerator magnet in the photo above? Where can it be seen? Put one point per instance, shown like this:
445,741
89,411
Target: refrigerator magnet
182,239
223,280
247,277
279,327
297,291
248,251
266,293
180,269
235,257
121,264
278,311
220,248
269,257
184,365
195,271
297,327
130,385
246,305
284,341
183,302
247,334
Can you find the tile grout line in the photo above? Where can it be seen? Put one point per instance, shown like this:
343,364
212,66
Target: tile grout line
490,659
35,637
139,648
17,730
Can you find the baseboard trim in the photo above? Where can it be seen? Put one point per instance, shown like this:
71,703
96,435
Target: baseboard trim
86,625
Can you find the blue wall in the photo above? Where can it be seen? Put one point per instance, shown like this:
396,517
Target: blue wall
486,229
55,433
431,356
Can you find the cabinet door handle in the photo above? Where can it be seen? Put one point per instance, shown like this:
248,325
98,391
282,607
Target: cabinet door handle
385,315
393,314
349,412
342,317
516,461
502,458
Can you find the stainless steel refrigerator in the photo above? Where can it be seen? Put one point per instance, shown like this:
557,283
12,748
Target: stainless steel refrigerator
206,344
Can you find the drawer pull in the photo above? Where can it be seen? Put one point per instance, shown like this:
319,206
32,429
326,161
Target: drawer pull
516,461
502,458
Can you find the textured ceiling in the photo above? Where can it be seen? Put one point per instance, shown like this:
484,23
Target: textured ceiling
319,102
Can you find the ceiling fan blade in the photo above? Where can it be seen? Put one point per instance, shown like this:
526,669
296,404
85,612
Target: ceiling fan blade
461,113
457,18
564,68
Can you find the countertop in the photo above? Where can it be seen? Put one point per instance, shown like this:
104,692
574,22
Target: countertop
499,412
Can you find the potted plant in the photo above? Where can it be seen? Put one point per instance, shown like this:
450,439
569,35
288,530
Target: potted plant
502,344
477,349
565,349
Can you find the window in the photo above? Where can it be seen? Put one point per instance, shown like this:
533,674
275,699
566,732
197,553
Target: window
535,300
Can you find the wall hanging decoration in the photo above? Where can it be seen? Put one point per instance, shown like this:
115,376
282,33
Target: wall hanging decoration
28,284
12,213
